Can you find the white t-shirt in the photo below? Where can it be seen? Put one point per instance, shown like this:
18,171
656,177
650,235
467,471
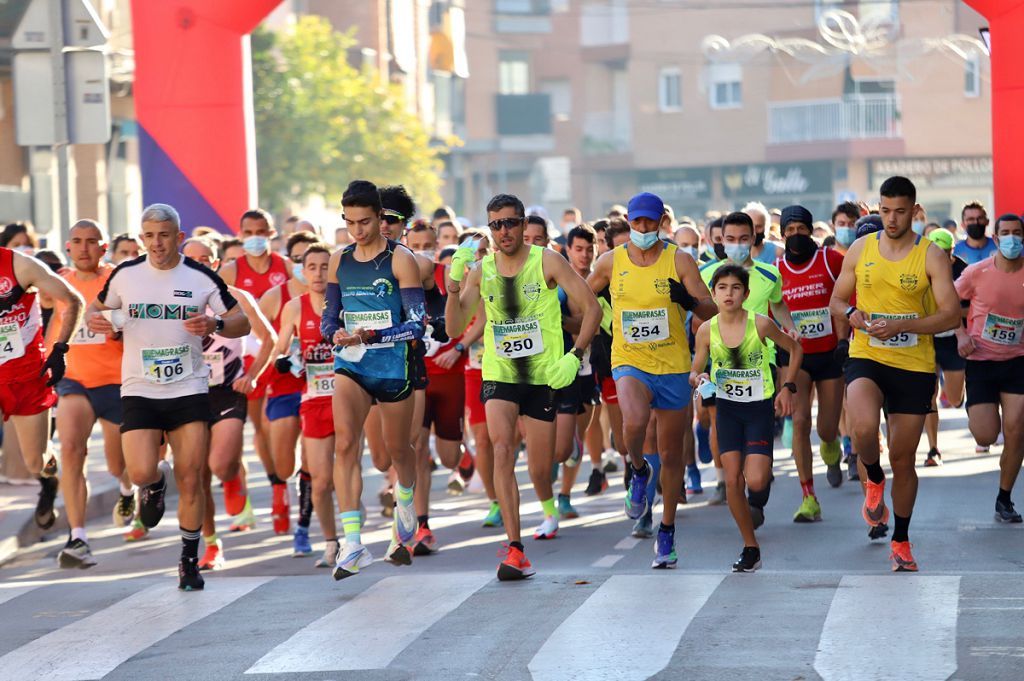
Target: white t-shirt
161,359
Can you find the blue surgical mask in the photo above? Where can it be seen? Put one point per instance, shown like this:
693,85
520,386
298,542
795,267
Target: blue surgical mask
642,240
1010,246
297,272
738,253
256,245
690,250
917,226
846,236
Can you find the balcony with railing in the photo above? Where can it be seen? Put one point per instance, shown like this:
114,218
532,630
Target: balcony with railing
854,117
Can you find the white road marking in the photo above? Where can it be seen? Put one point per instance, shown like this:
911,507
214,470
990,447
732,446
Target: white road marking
607,561
393,613
585,646
627,544
908,622
94,646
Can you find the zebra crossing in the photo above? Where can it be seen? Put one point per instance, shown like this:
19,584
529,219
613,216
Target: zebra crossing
464,624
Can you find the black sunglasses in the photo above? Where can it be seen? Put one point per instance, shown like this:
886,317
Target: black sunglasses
506,223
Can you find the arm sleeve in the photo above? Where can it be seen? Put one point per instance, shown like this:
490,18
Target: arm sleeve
329,321
414,311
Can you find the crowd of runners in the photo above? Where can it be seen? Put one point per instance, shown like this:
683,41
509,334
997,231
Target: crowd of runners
638,342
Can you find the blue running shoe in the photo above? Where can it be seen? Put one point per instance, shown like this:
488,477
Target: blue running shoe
693,485
703,444
493,518
300,543
665,557
405,522
643,528
636,495
787,432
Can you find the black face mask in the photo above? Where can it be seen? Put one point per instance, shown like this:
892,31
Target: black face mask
800,248
720,251
758,238
976,231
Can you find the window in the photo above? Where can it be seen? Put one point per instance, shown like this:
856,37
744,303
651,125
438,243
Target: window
871,86
522,6
972,76
560,92
725,86
513,73
670,95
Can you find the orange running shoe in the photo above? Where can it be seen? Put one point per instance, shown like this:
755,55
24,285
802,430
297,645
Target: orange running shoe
234,498
213,558
137,532
515,566
424,543
279,509
874,511
902,560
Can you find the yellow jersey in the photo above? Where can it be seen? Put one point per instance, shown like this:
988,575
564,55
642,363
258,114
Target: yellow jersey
889,289
648,329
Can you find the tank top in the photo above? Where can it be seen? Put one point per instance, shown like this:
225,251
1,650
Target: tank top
743,374
440,341
523,332
21,326
93,359
285,384
807,290
316,354
647,327
894,290
257,283
370,299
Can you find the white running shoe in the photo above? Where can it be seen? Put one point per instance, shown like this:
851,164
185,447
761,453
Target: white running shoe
405,521
330,557
352,558
548,529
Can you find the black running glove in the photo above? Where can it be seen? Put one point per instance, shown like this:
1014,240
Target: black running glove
677,293
55,364
283,364
842,351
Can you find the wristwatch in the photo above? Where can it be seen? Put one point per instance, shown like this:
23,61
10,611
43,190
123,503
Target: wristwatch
578,353
219,326
460,347
791,386
850,310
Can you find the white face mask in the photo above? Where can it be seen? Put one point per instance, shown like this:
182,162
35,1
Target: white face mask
352,353
27,250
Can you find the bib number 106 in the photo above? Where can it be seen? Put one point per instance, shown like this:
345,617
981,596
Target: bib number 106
167,370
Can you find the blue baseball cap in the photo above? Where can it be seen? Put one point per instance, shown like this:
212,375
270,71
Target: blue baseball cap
645,205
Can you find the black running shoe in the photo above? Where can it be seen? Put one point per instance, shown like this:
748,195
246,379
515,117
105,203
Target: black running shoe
757,515
749,560
852,473
598,482
46,514
189,578
75,554
934,458
151,504
878,531
1005,512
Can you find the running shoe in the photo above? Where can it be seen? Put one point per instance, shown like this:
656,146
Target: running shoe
398,553
878,531
834,475
351,559
981,449
1005,512
576,455
847,447
138,532
405,521
213,557
189,578
852,473
902,559
809,511
50,468
424,543
280,511
787,432
234,499
565,508
244,521
643,528
757,516
46,515
467,465
456,485
124,510
665,557
493,518
934,458
636,495
330,556
874,510
598,483
515,566
749,560
693,485
610,462
831,455
75,554
704,444
151,503
718,497
547,529
300,543
387,502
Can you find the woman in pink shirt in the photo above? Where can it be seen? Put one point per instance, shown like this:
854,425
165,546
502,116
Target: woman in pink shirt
992,345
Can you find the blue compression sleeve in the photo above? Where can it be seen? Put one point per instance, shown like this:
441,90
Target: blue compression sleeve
414,310
330,320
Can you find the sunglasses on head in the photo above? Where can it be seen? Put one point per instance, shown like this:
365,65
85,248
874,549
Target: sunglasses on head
506,223
393,217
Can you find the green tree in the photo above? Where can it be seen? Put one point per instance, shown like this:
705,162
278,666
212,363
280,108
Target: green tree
321,123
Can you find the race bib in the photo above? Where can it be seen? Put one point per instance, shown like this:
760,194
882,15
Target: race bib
215,362
1002,330
11,345
167,365
740,385
900,340
86,337
813,323
476,355
373,319
522,339
319,380
645,326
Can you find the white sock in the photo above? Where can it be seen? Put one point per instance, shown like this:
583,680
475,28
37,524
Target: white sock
127,491
78,533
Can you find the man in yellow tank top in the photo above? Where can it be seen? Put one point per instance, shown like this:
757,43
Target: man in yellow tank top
898,277
652,285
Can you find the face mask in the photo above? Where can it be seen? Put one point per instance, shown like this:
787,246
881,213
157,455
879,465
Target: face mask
917,226
689,250
976,231
719,251
758,238
643,241
256,245
738,253
352,353
1010,246
27,250
800,248
297,272
846,236
427,254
